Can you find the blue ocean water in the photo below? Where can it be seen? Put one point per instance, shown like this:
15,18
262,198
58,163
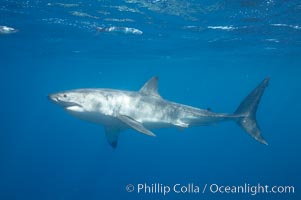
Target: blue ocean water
207,54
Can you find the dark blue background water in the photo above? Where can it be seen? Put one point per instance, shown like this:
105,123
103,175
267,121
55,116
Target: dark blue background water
208,54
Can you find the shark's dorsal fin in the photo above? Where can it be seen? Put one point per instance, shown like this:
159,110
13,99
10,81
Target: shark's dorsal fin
135,125
151,87
112,134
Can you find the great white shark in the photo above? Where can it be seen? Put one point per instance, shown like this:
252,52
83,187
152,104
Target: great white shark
144,110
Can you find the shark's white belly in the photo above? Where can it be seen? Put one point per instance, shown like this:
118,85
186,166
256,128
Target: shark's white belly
151,112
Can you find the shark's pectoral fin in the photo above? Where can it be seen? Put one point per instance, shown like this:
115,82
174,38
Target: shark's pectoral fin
135,125
112,135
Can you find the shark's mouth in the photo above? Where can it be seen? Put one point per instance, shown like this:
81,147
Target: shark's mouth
74,107
65,104
70,104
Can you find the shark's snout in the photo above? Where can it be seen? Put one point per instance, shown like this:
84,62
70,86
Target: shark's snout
63,99
53,98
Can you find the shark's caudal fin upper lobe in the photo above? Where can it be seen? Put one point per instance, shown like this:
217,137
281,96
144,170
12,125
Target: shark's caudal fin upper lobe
246,112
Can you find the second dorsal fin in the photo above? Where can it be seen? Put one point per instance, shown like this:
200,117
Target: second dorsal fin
151,87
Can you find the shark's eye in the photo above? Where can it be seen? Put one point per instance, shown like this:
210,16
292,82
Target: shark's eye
65,95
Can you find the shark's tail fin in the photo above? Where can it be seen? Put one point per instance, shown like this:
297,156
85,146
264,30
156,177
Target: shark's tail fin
246,112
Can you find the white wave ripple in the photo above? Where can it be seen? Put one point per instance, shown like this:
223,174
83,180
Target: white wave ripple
224,28
126,30
7,30
287,25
